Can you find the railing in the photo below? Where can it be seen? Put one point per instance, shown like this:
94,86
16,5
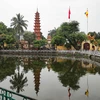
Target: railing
27,51
89,52
8,95
36,52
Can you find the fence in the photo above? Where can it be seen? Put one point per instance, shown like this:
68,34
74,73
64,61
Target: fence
8,95
49,52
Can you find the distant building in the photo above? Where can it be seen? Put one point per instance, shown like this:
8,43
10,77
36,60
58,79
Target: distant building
23,44
88,45
37,26
48,41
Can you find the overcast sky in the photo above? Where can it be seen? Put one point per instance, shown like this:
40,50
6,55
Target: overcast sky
52,13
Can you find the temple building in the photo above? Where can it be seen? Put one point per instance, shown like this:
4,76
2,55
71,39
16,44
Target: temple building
49,41
37,26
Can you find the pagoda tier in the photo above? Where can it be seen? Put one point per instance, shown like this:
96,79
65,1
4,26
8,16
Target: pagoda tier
37,79
37,26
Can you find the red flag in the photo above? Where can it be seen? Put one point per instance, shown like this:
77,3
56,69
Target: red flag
69,12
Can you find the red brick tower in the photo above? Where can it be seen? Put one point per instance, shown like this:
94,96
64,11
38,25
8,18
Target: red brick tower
37,26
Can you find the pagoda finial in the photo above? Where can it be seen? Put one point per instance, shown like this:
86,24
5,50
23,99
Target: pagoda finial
37,9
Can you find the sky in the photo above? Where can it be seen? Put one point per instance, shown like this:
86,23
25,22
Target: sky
52,13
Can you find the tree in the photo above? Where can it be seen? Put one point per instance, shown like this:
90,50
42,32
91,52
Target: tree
52,32
19,24
6,36
18,82
69,73
10,41
69,27
3,28
92,33
76,39
2,40
97,35
70,31
39,43
58,40
7,67
30,37
11,31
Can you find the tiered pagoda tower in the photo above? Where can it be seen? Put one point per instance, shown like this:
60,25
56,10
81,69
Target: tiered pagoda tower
37,26
37,79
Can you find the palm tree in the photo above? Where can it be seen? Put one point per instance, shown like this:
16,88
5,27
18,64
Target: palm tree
18,82
19,24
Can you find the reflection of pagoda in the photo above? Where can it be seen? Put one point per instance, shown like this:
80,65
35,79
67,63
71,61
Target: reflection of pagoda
37,26
37,79
49,64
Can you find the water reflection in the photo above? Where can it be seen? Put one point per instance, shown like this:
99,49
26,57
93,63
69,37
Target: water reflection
18,81
35,65
7,67
87,90
69,73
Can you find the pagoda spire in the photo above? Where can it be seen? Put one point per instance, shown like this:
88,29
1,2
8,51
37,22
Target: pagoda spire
37,9
37,26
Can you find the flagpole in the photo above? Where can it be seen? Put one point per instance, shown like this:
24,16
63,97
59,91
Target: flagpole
87,86
87,25
86,13
69,20
87,82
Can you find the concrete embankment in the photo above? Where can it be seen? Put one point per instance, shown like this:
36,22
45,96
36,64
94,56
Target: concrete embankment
93,55
28,52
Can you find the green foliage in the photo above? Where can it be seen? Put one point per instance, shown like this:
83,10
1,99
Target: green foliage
52,32
97,35
7,67
9,39
42,37
70,27
68,45
98,42
29,36
38,64
2,40
92,33
39,43
6,36
58,40
3,28
19,24
34,63
70,31
11,31
68,73
78,37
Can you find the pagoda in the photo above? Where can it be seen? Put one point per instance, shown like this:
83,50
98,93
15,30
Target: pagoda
37,26
37,79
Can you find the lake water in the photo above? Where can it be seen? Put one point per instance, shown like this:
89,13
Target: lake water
51,78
